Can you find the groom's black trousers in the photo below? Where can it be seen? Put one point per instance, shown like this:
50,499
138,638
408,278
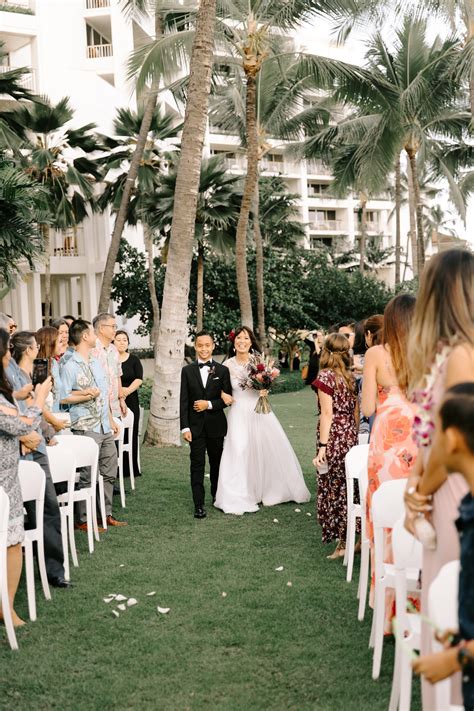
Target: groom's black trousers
199,446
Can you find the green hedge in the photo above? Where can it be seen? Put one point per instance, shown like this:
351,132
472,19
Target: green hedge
286,383
16,8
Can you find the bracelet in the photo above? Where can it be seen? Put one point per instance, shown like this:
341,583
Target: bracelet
323,444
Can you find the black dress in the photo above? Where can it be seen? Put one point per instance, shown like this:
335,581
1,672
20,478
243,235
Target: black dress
131,370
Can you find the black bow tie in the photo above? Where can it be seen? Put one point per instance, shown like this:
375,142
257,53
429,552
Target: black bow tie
207,364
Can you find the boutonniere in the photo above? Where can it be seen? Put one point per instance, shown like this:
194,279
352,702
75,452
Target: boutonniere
212,370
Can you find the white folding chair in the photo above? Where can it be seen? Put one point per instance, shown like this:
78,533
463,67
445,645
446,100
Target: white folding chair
443,612
387,508
85,451
355,462
33,484
407,555
126,424
365,546
7,613
62,465
140,431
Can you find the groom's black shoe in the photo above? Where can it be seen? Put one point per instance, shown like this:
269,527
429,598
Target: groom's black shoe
199,512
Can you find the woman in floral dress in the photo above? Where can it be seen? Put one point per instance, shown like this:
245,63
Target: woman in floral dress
392,451
13,426
337,433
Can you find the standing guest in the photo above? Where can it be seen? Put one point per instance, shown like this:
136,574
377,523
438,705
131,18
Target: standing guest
51,347
90,411
441,354
337,433
373,330
132,378
108,356
13,425
13,325
347,328
314,341
69,319
358,358
63,328
392,451
24,349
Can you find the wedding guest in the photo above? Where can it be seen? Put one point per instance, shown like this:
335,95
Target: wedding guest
392,451
453,443
51,347
107,354
347,328
69,319
24,350
132,378
336,434
314,341
90,411
358,356
13,325
373,330
63,327
441,354
13,425
7,323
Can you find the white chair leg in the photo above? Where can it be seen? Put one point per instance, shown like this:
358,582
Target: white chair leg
348,537
130,462
42,570
64,540
30,579
121,482
72,540
350,547
379,614
395,693
94,517
6,609
100,479
90,533
363,579
405,683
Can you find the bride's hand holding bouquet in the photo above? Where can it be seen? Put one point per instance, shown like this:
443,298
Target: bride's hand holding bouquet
260,376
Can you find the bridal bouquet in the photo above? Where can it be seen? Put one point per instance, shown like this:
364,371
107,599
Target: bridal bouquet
260,376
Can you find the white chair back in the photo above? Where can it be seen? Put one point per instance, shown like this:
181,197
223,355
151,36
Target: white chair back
33,483
443,612
407,550
356,460
62,463
84,451
387,503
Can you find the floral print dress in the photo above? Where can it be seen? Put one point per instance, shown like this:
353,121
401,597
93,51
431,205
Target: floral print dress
332,495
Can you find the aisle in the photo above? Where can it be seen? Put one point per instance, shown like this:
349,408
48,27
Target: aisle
263,645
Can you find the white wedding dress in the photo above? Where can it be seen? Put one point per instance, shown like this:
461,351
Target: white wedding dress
258,463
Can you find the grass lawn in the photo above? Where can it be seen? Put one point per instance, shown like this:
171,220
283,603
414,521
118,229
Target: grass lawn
265,645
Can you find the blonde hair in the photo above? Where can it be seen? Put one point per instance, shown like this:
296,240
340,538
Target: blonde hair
335,356
444,311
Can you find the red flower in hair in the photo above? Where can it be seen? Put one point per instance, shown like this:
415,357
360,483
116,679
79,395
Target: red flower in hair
260,367
231,336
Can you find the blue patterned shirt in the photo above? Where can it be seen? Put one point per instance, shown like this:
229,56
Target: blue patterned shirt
79,374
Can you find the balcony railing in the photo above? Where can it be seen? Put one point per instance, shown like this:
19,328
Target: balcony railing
27,80
97,4
317,167
66,243
99,51
235,163
15,4
326,225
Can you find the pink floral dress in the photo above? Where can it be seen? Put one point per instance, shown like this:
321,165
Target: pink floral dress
332,496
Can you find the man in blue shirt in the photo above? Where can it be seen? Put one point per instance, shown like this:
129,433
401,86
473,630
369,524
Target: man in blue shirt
85,389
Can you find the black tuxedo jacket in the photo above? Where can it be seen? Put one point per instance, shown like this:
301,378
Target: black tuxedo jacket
212,423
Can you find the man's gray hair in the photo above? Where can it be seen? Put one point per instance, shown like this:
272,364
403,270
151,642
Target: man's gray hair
4,321
100,319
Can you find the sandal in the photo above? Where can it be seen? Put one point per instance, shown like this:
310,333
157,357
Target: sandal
339,552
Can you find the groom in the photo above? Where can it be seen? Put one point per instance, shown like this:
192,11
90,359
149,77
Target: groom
203,423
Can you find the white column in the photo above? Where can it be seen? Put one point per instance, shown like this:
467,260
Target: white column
22,312
350,220
35,304
90,307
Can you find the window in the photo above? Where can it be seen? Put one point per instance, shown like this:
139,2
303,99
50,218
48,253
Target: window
316,189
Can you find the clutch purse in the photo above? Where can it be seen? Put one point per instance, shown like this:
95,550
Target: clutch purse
425,532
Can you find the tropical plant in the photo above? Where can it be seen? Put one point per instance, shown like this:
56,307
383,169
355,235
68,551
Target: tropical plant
21,208
216,215
68,183
278,210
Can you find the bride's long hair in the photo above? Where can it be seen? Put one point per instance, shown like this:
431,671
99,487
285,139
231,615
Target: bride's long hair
335,356
255,346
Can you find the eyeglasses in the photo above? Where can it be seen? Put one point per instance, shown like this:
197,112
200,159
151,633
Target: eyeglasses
111,325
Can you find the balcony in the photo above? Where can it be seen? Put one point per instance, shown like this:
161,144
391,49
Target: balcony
99,51
317,167
20,6
97,4
27,81
67,243
327,226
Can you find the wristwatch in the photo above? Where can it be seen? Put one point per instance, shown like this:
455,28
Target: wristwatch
465,658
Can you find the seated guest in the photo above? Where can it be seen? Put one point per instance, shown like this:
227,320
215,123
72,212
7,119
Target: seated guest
85,389
132,378
392,451
12,426
453,445
24,350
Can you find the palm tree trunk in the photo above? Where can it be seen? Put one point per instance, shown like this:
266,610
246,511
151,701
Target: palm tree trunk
121,217
412,216
200,288
155,306
420,241
45,232
363,230
163,423
246,316
398,201
257,233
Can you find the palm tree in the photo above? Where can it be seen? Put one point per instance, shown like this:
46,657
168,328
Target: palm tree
67,183
163,423
21,208
278,210
167,56
407,99
216,215
115,163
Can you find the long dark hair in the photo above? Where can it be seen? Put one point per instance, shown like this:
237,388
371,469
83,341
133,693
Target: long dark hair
255,346
397,320
5,388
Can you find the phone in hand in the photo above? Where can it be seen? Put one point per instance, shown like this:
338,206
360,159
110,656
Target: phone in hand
40,371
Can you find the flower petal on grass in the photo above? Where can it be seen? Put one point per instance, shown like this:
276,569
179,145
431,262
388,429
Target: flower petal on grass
275,520
108,599
289,584
297,510
224,594
115,613
308,514
122,565
132,601
163,610
150,594
122,607
119,598
279,569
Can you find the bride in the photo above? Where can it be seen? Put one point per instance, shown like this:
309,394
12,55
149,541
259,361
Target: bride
258,462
